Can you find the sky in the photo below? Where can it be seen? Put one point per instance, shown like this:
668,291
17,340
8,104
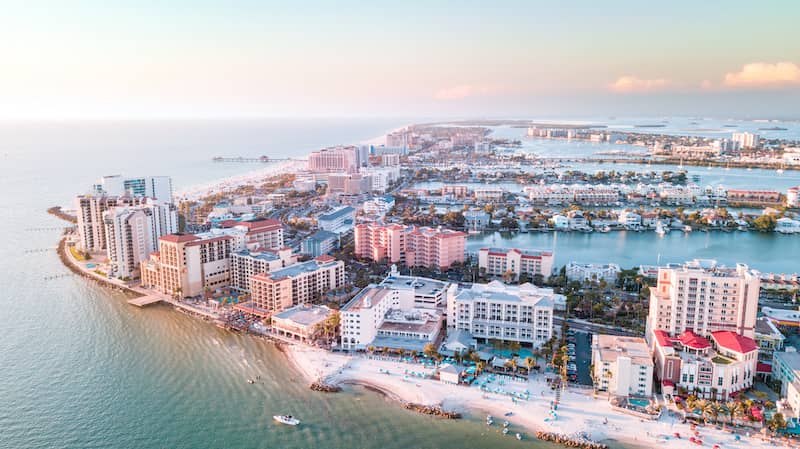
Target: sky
149,59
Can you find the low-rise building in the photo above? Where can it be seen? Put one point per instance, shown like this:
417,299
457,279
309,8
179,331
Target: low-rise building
768,197
622,365
476,220
498,261
428,293
320,243
592,272
769,340
379,206
495,311
300,323
339,221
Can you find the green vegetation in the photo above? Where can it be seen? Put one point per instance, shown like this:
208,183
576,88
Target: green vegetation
720,360
81,256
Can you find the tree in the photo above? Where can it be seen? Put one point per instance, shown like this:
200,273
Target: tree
429,350
765,223
529,363
777,422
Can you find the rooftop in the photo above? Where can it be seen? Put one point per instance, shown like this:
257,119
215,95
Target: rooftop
523,252
304,315
497,291
300,268
421,286
734,342
341,212
178,238
790,359
323,235
611,347
366,298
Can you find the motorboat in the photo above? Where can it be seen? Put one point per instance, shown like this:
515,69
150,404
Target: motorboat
286,419
519,436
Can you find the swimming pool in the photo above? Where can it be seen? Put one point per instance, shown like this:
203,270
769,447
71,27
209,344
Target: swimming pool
643,403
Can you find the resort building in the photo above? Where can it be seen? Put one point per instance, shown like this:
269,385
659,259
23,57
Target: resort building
384,316
296,284
247,263
335,159
189,265
339,221
476,220
154,187
495,311
704,297
349,184
765,197
717,368
585,272
132,233
489,194
622,365
300,323
267,234
414,246
381,177
498,261
91,226
320,243
427,293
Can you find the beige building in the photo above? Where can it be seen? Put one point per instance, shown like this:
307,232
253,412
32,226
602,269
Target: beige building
91,226
296,284
622,365
300,323
704,297
497,261
188,265
413,246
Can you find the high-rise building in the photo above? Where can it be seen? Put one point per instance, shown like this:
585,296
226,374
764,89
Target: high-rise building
622,365
414,246
132,233
246,264
91,227
265,233
300,283
156,187
746,140
704,297
335,159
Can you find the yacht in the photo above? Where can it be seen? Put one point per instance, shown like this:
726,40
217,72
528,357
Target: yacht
286,419
660,229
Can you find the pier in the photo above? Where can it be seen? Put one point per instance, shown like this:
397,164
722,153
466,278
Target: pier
144,301
262,159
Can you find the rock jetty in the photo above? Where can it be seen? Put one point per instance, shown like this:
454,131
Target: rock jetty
578,441
432,410
325,388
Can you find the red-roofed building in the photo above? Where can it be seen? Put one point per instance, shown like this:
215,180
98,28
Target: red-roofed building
498,261
258,233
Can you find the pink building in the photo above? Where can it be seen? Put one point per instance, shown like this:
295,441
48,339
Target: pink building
411,245
334,159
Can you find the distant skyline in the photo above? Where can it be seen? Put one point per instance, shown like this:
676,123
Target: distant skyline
434,59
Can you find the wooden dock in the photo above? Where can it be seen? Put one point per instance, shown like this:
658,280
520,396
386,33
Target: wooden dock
146,300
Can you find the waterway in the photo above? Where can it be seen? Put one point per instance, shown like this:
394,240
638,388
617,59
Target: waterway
80,368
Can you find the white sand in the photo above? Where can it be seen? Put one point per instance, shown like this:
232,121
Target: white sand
231,183
578,411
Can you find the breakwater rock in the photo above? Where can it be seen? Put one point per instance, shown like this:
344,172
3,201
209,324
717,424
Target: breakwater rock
570,441
432,410
325,388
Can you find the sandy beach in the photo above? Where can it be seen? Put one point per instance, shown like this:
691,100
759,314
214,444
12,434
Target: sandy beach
578,411
253,177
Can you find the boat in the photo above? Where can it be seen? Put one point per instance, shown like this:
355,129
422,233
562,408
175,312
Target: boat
506,423
251,381
687,228
519,436
660,229
505,431
286,419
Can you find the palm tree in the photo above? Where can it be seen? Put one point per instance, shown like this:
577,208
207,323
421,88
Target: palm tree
429,350
514,365
737,411
714,410
479,367
529,363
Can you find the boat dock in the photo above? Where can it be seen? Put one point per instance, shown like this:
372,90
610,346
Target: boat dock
143,301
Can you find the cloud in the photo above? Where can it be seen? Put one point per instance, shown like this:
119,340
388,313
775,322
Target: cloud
629,84
463,91
762,74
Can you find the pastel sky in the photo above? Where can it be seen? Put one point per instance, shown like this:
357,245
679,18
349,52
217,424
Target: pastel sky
242,58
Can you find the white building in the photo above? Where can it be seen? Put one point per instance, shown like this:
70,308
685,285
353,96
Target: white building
132,233
746,140
495,311
793,196
630,219
339,221
247,263
622,365
91,226
383,316
382,177
593,272
476,220
489,194
155,187
497,261
704,297
379,206
428,293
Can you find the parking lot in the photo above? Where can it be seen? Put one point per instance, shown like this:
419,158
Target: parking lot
579,345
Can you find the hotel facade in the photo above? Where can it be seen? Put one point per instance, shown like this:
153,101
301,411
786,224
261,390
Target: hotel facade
413,246
498,261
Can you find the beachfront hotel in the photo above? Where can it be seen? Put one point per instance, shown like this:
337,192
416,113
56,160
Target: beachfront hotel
299,323
428,293
717,367
705,297
187,265
385,316
498,261
296,284
132,233
91,227
335,159
247,263
495,311
622,365
415,246
267,234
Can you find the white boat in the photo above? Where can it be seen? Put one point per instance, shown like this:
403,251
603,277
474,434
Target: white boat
519,436
505,431
286,419
687,228
660,229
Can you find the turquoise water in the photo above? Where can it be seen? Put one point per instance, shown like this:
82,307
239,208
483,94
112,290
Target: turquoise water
639,402
80,368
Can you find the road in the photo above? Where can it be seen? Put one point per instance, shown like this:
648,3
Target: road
593,328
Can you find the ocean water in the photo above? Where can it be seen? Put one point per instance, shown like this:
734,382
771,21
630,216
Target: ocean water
80,368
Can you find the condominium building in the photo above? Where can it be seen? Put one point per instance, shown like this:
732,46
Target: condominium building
716,367
335,159
510,313
385,316
91,227
489,194
339,220
622,365
379,206
132,233
189,265
592,272
754,196
427,293
155,187
247,263
349,184
300,283
382,177
704,297
267,234
746,140
320,243
498,261
414,246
